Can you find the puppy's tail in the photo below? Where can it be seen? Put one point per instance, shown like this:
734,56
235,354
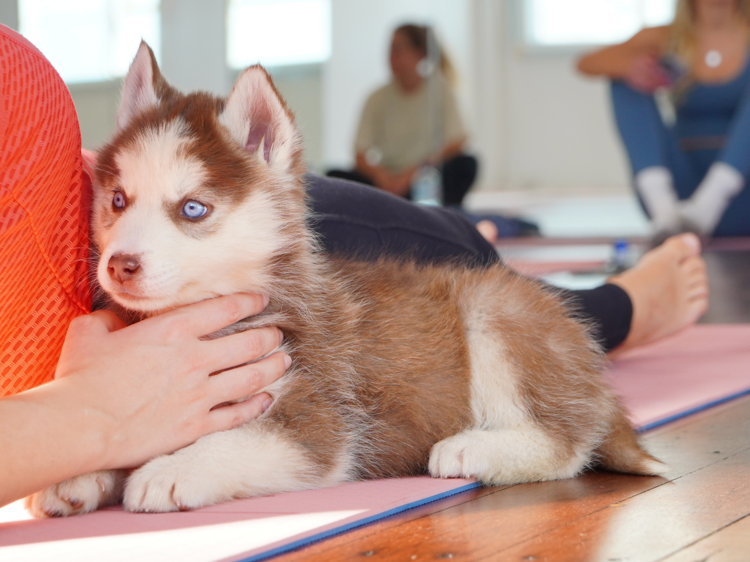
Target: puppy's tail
621,452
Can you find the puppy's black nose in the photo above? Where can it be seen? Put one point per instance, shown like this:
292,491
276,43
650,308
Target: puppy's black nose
123,267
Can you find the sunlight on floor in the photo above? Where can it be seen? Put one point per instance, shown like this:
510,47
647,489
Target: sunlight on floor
191,544
14,512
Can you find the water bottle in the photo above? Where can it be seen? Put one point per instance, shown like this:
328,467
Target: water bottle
620,256
427,188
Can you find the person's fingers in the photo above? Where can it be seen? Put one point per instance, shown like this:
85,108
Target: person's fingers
246,380
653,67
206,317
99,322
229,417
655,80
647,75
236,349
642,84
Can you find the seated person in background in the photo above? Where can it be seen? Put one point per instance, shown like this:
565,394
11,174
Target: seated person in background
689,176
413,120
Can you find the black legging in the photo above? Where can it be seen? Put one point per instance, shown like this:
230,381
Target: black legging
356,221
458,175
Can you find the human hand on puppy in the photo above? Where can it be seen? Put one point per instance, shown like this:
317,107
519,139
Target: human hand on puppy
123,395
150,383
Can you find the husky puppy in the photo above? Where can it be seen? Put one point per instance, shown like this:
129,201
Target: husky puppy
397,368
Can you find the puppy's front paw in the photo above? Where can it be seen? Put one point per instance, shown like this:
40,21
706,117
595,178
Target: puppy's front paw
458,457
77,495
170,483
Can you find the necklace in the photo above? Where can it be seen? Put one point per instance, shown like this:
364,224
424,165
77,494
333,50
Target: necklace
713,58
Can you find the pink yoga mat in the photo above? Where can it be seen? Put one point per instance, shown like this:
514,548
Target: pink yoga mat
251,529
697,369
702,366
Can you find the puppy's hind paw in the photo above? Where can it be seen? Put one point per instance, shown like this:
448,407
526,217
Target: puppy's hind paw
78,495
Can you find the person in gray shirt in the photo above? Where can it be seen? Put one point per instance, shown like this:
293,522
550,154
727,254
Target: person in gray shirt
413,121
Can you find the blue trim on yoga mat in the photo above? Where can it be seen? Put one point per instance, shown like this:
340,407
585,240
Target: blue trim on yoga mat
354,524
697,409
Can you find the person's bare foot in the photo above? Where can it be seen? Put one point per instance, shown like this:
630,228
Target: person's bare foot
487,229
668,288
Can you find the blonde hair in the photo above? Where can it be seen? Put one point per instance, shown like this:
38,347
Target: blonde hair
682,36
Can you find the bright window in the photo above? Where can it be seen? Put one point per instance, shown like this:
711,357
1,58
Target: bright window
278,32
586,22
90,40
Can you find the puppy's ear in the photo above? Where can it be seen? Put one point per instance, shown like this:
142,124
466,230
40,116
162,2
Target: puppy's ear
258,119
140,89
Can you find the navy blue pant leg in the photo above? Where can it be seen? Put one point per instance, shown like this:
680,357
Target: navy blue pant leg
650,142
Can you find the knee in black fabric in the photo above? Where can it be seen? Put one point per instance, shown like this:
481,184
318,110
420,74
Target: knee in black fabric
356,221
350,175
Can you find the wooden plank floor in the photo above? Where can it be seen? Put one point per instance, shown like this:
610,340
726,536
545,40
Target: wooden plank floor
700,510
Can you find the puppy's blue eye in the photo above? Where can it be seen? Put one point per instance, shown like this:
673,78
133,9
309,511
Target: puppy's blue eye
118,200
194,210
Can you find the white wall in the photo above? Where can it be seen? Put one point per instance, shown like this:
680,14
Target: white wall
9,13
487,86
559,131
193,39
96,105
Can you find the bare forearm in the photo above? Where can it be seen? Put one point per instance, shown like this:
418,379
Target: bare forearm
46,436
611,62
617,61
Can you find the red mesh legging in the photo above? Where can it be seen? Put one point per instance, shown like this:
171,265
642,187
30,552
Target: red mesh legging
43,216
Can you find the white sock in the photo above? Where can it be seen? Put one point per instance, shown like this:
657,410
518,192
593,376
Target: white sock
707,205
654,184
